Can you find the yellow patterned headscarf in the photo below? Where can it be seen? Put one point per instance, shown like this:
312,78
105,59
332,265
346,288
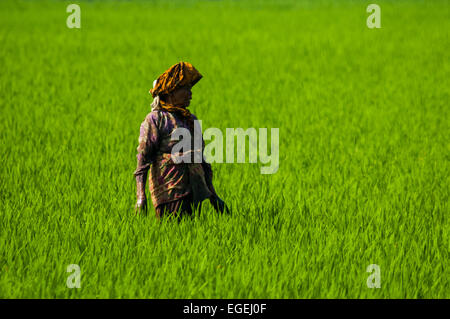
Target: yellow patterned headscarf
180,74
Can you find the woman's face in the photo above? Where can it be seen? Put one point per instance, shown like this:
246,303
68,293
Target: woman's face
181,96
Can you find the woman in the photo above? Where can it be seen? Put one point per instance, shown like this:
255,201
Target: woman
176,188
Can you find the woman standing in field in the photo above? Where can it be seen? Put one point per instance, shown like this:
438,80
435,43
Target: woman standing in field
176,188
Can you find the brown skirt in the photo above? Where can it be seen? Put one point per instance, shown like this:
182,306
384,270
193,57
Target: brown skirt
180,207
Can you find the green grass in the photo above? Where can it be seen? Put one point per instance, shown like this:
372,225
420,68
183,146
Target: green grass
364,149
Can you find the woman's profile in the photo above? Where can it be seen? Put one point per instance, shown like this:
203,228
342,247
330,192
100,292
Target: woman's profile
175,188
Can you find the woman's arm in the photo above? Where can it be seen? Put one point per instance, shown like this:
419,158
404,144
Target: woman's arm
218,204
148,141
207,170
208,176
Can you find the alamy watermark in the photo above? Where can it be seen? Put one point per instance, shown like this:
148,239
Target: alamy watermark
74,19
214,151
374,20
74,280
374,280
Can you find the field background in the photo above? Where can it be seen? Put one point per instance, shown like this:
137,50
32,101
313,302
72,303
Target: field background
364,149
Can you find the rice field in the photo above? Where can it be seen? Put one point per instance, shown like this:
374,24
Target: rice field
363,178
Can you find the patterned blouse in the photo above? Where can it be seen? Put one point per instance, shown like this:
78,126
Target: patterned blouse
168,180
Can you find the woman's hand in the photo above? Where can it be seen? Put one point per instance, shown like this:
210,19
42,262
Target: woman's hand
141,206
141,202
218,204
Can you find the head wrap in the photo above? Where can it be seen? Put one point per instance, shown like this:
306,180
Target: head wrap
178,75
